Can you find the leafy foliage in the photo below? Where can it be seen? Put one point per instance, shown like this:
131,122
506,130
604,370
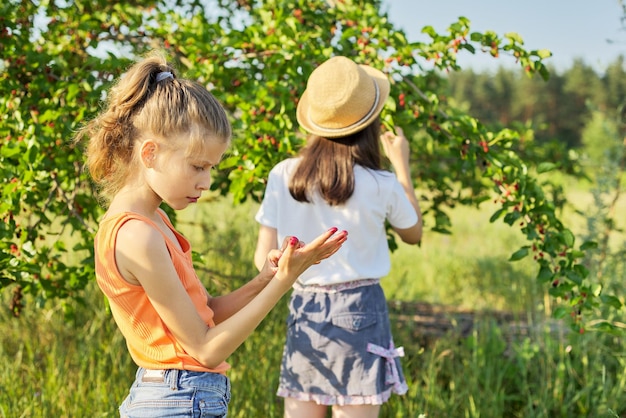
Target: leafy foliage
59,57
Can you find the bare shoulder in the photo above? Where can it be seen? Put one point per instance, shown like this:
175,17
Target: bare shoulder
138,246
138,234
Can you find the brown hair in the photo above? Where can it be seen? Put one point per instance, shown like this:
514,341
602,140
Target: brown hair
327,166
138,105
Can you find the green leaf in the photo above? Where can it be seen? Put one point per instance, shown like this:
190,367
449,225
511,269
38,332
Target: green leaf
561,312
476,36
31,154
469,47
588,245
567,237
581,270
9,151
574,277
606,326
511,217
544,53
611,301
496,215
514,36
545,167
545,274
401,39
519,254
428,30
72,92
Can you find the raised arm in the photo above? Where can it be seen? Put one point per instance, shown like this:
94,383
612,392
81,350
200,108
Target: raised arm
396,147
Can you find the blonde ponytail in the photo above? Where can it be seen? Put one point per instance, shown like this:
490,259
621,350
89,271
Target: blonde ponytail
142,103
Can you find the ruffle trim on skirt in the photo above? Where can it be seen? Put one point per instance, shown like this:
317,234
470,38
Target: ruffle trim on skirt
323,399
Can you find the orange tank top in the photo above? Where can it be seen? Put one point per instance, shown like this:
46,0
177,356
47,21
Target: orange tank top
149,341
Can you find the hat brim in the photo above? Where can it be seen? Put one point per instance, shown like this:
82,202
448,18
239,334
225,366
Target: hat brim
302,109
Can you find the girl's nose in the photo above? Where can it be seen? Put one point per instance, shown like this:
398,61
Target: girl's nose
205,181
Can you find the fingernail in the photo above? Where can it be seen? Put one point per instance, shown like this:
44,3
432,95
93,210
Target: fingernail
294,240
333,229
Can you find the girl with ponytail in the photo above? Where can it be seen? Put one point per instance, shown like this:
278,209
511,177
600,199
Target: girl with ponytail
156,142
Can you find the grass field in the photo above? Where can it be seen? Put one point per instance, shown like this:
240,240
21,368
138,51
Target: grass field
54,368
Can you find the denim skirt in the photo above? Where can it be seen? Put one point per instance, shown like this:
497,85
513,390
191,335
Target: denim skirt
177,393
339,349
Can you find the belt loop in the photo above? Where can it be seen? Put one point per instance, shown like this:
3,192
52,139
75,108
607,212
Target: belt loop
153,376
174,379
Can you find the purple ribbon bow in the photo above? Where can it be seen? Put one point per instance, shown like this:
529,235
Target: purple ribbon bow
391,376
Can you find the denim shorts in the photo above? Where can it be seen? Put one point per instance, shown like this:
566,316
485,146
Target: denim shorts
339,348
177,393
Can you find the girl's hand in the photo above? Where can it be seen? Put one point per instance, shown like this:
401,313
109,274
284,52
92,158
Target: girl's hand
396,147
271,265
296,257
271,261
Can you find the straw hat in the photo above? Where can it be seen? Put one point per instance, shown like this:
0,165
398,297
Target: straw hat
341,98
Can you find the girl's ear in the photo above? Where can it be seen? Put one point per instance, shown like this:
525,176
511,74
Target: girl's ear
148,151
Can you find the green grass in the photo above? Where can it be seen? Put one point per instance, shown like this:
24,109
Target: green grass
55,368
468,269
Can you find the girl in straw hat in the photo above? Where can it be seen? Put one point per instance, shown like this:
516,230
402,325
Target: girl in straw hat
339,349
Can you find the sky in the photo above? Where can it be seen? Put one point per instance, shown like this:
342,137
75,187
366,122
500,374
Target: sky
570,29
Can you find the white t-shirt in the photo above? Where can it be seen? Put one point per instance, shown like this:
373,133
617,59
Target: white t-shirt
365,255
